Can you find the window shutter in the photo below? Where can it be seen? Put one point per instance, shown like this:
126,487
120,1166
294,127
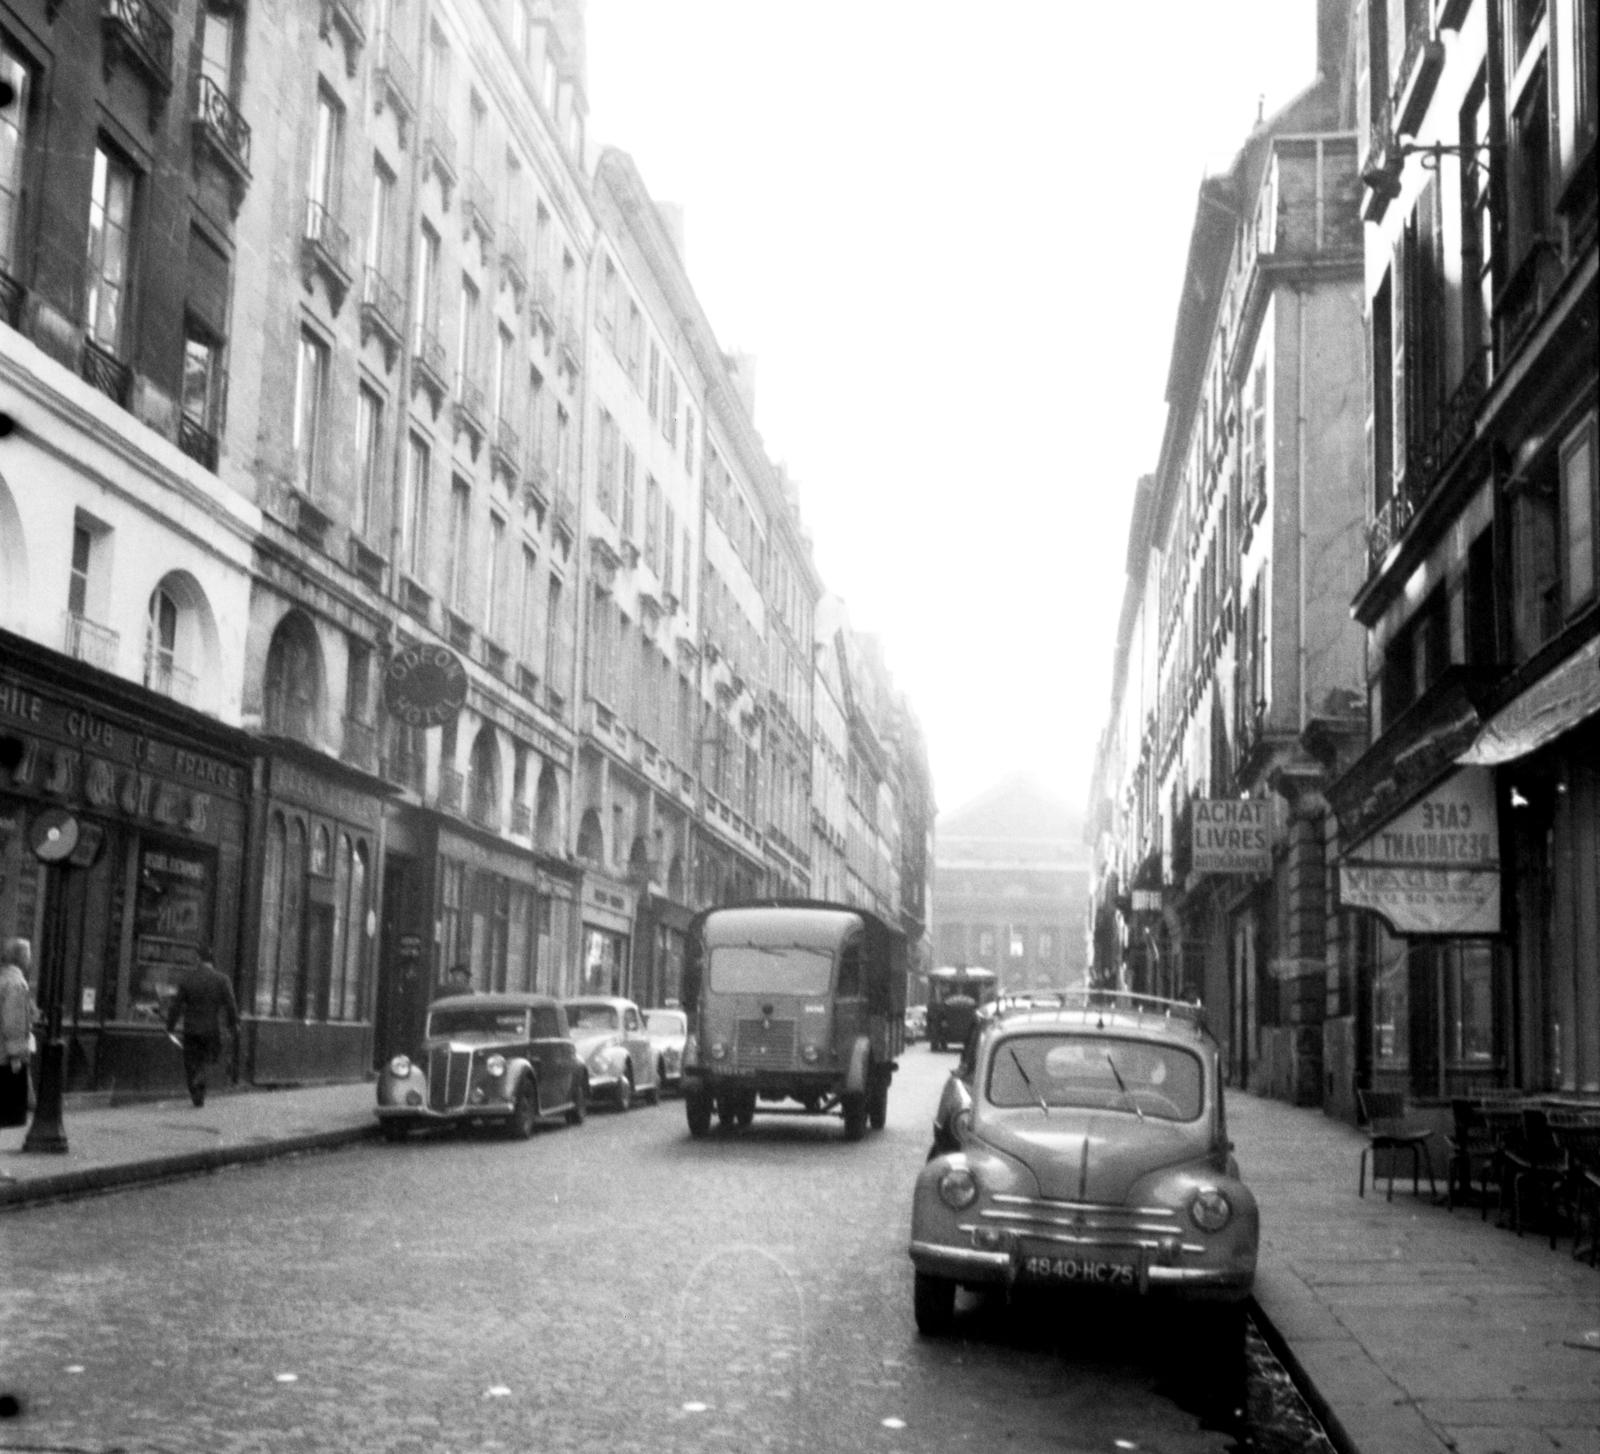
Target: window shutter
1400,333
208,285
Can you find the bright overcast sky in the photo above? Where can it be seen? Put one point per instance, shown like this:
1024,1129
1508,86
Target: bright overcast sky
953,235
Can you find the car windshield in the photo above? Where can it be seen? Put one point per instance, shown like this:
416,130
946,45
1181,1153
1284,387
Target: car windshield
1096,1072
770,969
592,1017
666,1022
477,1020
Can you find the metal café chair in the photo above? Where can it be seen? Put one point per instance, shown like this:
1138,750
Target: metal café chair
1472,1156
1385,1113
1536,1163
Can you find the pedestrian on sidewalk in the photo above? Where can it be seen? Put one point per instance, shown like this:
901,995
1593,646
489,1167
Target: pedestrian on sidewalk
17,1014
204,999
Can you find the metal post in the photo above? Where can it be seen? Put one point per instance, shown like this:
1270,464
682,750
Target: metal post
47,1133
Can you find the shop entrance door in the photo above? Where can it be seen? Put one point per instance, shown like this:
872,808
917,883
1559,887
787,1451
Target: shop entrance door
403,971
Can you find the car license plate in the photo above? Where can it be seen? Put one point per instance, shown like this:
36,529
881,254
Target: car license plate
1083,1271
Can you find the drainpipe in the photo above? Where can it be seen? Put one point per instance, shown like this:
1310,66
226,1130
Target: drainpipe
1300,501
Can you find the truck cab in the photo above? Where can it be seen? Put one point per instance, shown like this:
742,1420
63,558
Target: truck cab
792,1002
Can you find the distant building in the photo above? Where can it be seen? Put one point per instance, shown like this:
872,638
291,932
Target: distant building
1011,887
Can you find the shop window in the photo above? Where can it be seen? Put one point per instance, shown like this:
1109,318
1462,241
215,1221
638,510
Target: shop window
1535,558
271,913
347,996
280,990
452,877
292,700
1578,504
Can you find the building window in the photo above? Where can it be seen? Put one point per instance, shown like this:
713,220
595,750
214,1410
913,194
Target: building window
629,469
310,408
494,566
460,539
688,439
369,454
292,691
218,29
606,475
322,182
634,343
110,250
380,216
669,527
652,523
13,153
414,509
504,375
552,629
466,334
528,638
202,385
161,641
78,579
653,381
427,299
1578,509
669,416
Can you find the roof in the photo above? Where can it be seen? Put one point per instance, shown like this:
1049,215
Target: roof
803,928
502,1000
1108,1010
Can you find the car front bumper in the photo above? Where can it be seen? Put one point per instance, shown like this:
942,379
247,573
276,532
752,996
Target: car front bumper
974,1266
427,1116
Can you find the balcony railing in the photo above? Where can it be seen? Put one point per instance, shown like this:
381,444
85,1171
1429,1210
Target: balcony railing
396,81
507,453
138,30
87,640
223,128
383,312
105,371
449,789
162,674
326,249
198,442
478,203
360,747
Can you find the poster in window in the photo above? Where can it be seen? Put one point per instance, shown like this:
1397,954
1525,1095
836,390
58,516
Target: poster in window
172,917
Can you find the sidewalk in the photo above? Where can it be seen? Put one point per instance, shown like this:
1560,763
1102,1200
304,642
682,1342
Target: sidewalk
1421,1330
117,1146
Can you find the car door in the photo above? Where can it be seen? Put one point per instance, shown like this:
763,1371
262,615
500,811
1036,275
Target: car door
552,1058
638,1045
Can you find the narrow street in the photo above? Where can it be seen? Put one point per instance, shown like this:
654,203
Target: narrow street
615,1287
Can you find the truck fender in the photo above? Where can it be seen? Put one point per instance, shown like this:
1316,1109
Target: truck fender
855,1080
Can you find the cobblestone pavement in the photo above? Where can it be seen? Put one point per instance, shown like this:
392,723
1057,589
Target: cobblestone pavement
616,1287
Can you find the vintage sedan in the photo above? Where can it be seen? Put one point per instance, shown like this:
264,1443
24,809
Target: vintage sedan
1080,1145
669,1029
614,1048
503,1060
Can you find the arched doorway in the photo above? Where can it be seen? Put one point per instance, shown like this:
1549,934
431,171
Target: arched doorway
293,694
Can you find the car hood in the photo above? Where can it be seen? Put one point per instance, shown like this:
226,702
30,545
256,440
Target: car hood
471,1044
588,1041
1121,1150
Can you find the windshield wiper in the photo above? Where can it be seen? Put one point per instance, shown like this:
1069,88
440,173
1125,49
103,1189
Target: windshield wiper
1011,1050
1122,1086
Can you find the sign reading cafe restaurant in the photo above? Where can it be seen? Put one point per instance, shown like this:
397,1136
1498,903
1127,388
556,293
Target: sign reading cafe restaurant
1434,869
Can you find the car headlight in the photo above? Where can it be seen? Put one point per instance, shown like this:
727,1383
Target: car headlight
400,1067
810,1054
1210,1210
496,1066
597,1061
958,1188
719,1051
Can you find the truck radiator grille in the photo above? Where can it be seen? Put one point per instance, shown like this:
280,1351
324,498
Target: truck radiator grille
449,1073
764,1043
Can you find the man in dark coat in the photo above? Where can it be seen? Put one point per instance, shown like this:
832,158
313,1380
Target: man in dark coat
458,981
204,999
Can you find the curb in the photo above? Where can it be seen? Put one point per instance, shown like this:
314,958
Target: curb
95,1179
1337,1434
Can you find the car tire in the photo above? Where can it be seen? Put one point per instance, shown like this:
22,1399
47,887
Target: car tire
652,1097
580,1101
625,1091
393,1131
525,1109
697,1110
745,1111
878,1099
854,1106
933,1300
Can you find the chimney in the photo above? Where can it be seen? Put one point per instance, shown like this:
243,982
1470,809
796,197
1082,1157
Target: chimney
671,214
741,368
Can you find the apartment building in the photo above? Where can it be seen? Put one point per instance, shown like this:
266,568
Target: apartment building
1470,825
1238,677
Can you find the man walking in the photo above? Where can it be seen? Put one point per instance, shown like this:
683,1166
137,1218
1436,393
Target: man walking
204,997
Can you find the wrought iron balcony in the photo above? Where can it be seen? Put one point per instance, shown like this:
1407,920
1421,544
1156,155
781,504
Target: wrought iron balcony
162,674
507,453
477,201
395,82
470,410
138,31
102,368
383,312
219,124
325,249
198,442
431,370
86,640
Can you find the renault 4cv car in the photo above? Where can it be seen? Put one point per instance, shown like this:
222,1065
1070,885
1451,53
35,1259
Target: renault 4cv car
1081,1145
615,1049
502,1059
668,1030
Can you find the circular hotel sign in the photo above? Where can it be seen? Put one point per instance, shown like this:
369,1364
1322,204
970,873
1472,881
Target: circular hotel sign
425,686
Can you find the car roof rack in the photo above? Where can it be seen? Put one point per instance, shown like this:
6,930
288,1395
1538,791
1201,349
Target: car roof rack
1084,1000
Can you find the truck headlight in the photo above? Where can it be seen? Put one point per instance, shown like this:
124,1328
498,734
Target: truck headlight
1210,1210
958,1188
719,1051
400,1067
810,1054
496,1066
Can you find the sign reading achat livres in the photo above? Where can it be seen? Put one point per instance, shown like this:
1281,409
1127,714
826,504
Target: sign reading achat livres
1231,835
425,685
1435,868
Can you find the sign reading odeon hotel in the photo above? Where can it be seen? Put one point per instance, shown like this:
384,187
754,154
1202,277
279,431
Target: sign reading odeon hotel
1434,869
1232,835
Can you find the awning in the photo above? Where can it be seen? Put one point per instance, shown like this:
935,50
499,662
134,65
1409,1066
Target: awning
1554,704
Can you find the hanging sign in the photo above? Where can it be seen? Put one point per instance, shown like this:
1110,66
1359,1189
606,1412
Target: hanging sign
425,685
1434,869
1232,835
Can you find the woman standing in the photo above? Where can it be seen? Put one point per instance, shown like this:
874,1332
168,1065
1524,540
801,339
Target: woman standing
16,1028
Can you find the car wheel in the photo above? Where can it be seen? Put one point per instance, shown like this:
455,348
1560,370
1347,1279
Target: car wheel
393,1130
878,1100
580,1101
652,1096
525,1109
854,1105
625,1091
697,1108
934,1301
744,1111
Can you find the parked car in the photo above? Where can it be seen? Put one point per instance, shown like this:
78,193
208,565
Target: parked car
614,1048
1081,1145
503,1059
916,1023
668,1030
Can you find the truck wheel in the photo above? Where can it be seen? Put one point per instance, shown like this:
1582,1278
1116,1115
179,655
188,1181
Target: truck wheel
854,1105
934,1301
878,1099
745,1111
697,1109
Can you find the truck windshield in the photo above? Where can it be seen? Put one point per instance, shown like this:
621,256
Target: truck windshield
770,969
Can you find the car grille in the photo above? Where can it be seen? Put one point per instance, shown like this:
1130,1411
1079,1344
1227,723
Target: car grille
1086,1224
764,1043
449,1072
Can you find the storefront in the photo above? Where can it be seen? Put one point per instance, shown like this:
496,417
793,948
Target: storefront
497,914
168,791
309,1012
606,948
658,953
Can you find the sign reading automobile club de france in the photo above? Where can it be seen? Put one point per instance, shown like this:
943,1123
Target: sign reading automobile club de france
1232,835
425,685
